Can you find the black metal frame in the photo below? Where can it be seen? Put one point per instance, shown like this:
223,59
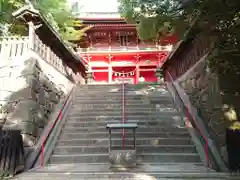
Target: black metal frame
11,152
121,126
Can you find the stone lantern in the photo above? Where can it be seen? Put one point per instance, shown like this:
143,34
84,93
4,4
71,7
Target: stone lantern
159,75
141,80
89,75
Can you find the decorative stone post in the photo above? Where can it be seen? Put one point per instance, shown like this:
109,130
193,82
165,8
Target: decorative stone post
89,77
159,75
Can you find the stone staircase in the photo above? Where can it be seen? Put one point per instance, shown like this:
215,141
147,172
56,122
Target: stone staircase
164,147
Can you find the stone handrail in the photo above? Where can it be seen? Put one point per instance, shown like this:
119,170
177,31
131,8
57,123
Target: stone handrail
13,47
47,140
180,98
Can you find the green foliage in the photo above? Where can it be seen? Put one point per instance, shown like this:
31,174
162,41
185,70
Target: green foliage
156,17
214,18
6,9
60,17
56,12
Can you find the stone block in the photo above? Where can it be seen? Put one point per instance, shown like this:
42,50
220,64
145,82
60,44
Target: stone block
41,118
41,96
25,111
44,82
23,94
46,113
51,106
30,67
53,96
122,158
26,87
29,128
28,140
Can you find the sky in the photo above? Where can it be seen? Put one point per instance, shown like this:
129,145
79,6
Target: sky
98,5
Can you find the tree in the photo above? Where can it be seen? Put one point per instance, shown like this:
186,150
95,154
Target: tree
56,12
155,18
60,16
6,21
218,18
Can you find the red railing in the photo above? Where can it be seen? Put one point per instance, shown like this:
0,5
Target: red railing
123,112
189,124
59,118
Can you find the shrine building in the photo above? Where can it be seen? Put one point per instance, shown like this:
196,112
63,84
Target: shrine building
113,51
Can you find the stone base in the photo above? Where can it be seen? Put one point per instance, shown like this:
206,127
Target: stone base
122,158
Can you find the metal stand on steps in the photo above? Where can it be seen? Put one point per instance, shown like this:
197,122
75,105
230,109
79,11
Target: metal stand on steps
122,157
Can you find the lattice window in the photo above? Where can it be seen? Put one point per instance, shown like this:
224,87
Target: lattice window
190,55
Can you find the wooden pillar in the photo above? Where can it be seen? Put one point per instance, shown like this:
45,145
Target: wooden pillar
110,72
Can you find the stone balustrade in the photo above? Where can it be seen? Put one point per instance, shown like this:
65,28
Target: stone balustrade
13,47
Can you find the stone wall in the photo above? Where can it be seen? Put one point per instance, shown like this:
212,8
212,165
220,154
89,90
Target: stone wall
203,88
29,90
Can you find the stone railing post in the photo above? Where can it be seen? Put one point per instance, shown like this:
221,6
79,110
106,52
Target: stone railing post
31,33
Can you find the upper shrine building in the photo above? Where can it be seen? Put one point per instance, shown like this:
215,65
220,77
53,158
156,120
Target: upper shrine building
112,49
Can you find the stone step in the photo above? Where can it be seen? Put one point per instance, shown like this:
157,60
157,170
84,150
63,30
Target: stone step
127,96
87,108
127,134
139,129
127,176
80,116
100,106
124,176
89,123
126,102
119,106
143,114
119,99
127,141
129,91
127,87
166,120
64,150
127,110
146,168
141,158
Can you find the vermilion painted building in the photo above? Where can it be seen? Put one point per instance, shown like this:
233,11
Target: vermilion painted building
113,51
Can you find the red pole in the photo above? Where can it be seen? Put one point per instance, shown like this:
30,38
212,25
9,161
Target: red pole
60,115
206,149
123,114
